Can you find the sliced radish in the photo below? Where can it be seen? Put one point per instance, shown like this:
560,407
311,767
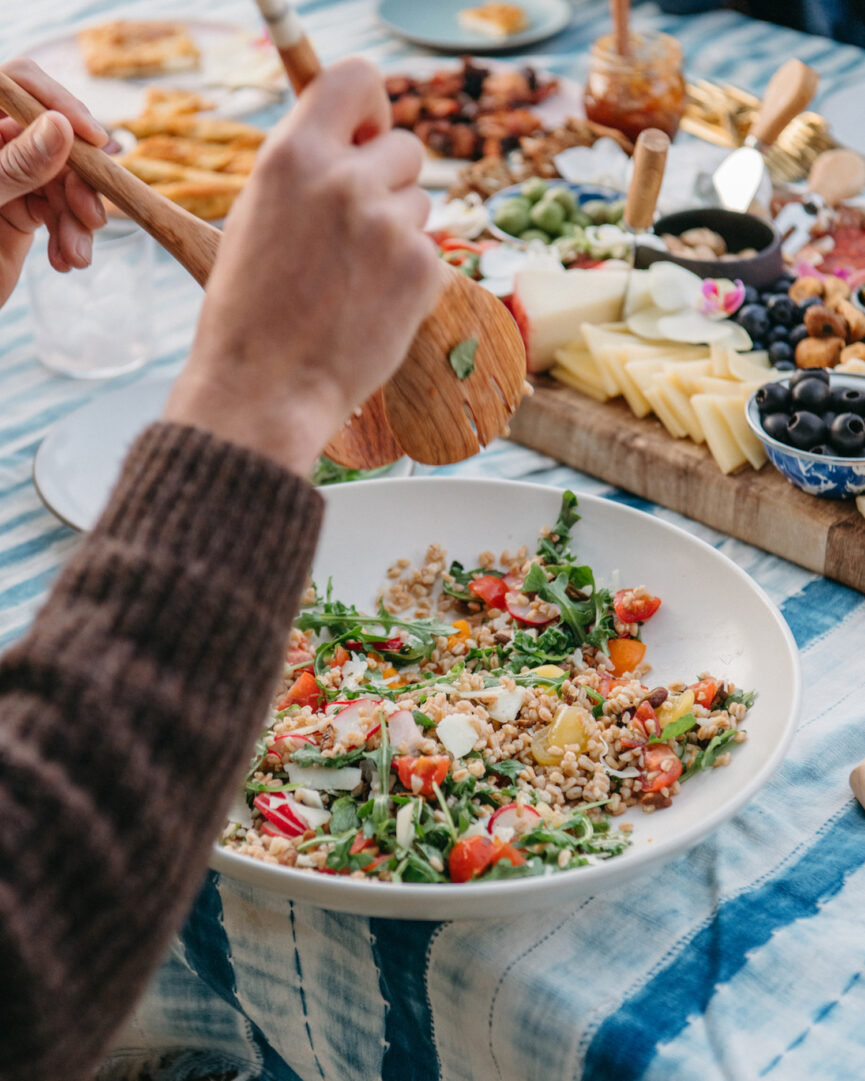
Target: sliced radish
357,721
457,733
524,612
295,657
324,778
517,817
404,733
290,741
405,825
279,810
506,707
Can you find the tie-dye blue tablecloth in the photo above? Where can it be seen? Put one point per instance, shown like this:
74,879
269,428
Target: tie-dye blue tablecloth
742,960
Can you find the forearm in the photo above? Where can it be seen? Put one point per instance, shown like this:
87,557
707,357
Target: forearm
127,714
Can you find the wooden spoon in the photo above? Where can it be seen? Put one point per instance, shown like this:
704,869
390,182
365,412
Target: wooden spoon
364,442
621,12
435,417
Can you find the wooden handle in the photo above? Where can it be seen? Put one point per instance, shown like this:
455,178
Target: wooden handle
192,242
650,159
837,175
790,90
621,12
294,47
857,782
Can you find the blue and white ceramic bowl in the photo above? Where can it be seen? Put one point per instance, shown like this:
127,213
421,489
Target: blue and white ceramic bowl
816,474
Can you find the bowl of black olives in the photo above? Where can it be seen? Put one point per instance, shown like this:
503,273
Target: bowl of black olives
812,426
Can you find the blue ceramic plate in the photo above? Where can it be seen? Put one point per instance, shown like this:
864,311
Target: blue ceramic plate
434,23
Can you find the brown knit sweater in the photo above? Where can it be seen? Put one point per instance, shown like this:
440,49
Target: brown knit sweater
127,715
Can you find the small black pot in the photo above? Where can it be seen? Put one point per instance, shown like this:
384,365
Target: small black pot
738,230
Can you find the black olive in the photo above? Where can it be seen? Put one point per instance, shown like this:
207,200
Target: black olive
772,398
823,449
783,310
775,425
780,350
828,416
751,296
809,373
847,434
755,319
785,366
797,334
806,430
848,400
778,334
811,394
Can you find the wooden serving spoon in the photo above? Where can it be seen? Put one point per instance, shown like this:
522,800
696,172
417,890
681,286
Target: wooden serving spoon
436,417
621,13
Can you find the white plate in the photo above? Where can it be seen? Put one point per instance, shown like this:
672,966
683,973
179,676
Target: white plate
79,460
435,23
227,55
713,618
843,110
442,172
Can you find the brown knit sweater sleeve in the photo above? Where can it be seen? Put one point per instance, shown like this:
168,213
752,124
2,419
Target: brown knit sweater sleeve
127,715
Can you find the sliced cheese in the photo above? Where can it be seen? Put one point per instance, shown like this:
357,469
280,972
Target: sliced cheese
583,363
719,438
550,307
753,368
663,412
719,356
679,405
617,361
733,412
686,376
590,389
708,385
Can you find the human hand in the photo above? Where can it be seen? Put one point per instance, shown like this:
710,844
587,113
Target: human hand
36,187
321,279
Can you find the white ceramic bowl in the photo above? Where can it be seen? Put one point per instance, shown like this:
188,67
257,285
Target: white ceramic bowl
713,617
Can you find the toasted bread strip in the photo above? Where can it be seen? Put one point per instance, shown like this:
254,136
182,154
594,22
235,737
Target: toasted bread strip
206,200
207,129
127,49
154,171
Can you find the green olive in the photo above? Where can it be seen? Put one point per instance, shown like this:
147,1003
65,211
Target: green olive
566,200
597,211
615,211
534,189
569,229
512,216
536,234
581,218
548,215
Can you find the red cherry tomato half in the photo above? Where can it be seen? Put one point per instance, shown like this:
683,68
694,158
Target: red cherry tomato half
661,767
471,856
635,609
705,692
304,692
419,774
490,589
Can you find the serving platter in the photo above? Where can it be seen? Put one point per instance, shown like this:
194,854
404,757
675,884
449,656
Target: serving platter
436,25
239,73
823,535
79,460
746,641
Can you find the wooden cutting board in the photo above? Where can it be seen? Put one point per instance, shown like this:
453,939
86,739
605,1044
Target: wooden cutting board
762,508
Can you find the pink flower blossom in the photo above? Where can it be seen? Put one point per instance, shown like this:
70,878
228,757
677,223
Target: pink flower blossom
720,297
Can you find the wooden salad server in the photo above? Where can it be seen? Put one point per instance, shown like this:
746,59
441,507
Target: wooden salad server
436,416
361,444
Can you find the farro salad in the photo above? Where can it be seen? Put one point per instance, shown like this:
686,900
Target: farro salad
482,723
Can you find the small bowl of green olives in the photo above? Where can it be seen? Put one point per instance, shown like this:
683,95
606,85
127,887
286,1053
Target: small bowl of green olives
812,426
576,219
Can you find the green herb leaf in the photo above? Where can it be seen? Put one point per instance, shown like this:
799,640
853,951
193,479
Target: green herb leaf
312,756
462,358
508,767
343,815
744,698
554,547
675,729
707,758
423,719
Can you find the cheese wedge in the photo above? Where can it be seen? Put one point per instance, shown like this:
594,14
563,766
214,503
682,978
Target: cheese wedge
664,413
579,361
719,438
550,307
578,382
686,376
679,405
742,391
733,412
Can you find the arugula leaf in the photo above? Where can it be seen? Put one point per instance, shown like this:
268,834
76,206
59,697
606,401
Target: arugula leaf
423,719
530,649
508,767
343,815
312,756
462,358
675,729
556,550
745,698
707,757
328,472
